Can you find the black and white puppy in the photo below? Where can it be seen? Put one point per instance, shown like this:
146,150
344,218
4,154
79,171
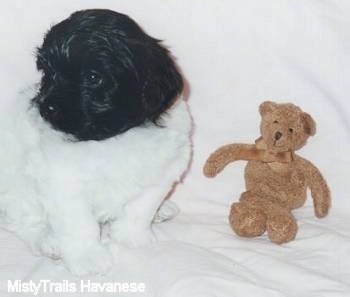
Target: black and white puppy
104,141
102,75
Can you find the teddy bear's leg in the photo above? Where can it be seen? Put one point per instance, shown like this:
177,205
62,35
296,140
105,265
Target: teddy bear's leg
281,226
247,221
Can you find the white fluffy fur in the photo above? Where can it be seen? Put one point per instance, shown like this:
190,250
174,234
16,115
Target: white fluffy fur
55,192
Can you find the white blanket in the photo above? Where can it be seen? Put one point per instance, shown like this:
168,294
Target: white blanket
235,54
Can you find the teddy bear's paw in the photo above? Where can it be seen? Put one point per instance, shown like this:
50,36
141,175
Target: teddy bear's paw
211,168
281,228
321,210
246,221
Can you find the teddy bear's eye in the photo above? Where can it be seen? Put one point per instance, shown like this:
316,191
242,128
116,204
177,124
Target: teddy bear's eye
275,122
291,130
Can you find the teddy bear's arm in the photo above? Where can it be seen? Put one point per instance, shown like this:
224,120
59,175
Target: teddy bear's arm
319,189
229,153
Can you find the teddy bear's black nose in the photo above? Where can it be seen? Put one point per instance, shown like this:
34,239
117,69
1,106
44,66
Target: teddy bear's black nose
278,135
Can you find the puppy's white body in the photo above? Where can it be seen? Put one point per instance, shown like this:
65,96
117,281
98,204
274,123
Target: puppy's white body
55,192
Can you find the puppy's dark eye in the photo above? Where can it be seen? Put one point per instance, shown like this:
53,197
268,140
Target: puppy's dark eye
291,130
93,79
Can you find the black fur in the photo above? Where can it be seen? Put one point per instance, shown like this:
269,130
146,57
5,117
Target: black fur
102,75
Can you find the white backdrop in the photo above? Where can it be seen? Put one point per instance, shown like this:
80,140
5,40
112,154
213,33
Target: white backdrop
235,54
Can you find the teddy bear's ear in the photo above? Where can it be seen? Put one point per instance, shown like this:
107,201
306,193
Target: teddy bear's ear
309,124
267,106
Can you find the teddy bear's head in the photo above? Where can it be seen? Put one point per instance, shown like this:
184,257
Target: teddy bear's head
284,126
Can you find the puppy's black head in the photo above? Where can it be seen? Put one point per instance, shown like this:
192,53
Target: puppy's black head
102,75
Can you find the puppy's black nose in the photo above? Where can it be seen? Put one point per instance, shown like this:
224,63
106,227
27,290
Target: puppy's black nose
48,109
278,135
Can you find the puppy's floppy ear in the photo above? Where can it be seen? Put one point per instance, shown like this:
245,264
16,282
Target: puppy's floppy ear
159,80
162,83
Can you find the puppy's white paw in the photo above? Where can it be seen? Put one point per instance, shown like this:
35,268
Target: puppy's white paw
105,233
94,259
50,247
131,235
166,211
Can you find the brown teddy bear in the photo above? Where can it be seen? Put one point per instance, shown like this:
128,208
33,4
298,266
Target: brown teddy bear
276,178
